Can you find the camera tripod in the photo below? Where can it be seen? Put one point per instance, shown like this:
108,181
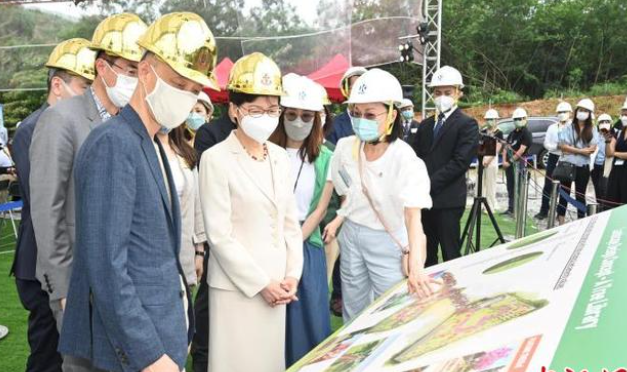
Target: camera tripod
473,224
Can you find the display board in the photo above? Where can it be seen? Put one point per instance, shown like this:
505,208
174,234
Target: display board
551,301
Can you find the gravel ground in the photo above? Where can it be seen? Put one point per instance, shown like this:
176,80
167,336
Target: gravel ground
534,197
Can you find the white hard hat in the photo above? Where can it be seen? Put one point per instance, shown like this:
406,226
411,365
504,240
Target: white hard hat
604,117
353,71
564,107
324,93
301,93
587,104
445,77
376,85
625,105
519,113
491,114
204,98
406,103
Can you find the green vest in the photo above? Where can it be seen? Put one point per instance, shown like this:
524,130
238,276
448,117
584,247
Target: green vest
321,167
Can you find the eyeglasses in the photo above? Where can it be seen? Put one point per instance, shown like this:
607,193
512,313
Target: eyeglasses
306,116
130,71
367,116
256,112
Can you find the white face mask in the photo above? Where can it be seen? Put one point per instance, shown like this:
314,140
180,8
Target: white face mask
564,116
605,126
68,89
444,103
259,129
623,119
120,94
582,116
170,106
298,130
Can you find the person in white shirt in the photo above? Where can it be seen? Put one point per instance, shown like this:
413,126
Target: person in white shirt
385,186
491,163
551,142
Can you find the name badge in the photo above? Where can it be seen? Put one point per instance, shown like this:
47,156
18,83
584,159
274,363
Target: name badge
619,162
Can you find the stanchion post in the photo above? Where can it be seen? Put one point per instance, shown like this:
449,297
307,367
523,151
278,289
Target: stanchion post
555,184
593,208
521,215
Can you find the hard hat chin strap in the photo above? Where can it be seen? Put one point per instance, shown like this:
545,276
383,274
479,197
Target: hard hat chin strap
389,123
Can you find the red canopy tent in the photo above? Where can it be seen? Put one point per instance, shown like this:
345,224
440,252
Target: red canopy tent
222,71
330,75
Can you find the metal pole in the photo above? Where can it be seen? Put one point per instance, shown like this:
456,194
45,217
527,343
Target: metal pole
593,209
521,216
555,184
516,188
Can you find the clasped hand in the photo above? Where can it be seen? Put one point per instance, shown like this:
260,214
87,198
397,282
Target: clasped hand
280,293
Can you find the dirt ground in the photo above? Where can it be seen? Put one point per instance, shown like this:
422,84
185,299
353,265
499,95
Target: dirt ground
604,104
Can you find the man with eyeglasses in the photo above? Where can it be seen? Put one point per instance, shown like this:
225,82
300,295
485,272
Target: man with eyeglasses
60,132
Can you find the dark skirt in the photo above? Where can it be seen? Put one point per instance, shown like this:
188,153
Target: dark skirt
308,319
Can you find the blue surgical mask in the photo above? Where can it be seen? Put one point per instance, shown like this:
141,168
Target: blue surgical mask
194,121
408,115
165,130
365,129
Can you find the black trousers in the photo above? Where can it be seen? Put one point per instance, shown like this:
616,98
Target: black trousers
600,184
582,177
617,185
200,342
337,280
43,337
442,229
546,190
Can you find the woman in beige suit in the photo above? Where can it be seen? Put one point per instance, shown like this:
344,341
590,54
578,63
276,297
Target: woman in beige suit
251,221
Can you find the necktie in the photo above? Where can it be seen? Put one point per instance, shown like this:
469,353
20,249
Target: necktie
438,125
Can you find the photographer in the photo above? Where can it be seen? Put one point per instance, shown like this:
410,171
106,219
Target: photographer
519,142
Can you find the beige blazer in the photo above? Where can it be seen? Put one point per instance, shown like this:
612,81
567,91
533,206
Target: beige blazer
253,237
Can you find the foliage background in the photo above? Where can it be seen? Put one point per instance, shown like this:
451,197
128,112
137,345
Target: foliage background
508,50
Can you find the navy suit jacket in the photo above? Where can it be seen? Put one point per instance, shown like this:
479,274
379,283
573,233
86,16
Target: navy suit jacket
125,305
447,156
25,259
342,127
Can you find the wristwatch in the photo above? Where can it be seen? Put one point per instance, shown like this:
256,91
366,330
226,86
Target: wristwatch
200,253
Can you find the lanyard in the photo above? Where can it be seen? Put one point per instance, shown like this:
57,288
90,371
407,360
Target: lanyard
302,163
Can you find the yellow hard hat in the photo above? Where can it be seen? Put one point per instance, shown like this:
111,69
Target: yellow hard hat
74,56
256,74
117,35
183,41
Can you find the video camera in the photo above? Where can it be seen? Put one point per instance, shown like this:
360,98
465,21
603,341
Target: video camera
487,145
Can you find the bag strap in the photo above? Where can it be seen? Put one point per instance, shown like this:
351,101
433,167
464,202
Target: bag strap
404,248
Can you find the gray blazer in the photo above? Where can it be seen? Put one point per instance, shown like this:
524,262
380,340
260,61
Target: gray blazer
126,303
59,134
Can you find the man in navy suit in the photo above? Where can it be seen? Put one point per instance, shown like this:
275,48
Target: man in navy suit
447,143
65,79
129,308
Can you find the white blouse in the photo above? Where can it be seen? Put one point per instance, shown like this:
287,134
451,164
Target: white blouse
395,181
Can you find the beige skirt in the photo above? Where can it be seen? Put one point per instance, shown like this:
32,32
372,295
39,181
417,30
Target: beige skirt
245,334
